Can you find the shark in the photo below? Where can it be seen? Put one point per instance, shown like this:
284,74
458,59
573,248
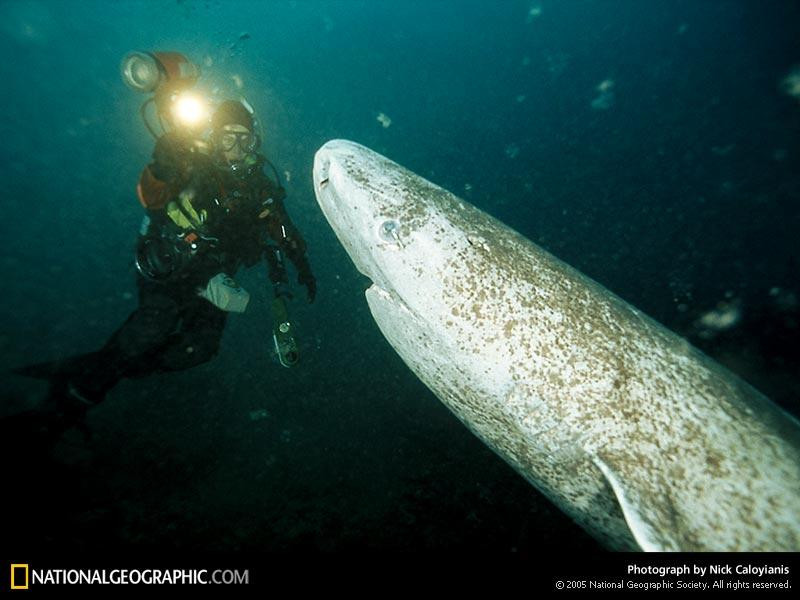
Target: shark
643,440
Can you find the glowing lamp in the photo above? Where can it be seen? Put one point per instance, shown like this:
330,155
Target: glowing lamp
189,110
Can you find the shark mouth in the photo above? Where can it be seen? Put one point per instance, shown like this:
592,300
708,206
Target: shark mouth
389,297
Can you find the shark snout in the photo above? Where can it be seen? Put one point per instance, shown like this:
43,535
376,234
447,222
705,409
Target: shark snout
322,168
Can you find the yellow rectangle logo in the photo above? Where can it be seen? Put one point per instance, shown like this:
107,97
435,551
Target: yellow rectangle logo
19,571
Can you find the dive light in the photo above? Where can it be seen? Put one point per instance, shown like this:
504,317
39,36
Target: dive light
283,334
152,71
189,110
282,328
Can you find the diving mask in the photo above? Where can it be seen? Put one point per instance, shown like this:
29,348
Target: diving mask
246,140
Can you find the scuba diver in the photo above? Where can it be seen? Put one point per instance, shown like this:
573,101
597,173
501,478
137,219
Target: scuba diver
210,210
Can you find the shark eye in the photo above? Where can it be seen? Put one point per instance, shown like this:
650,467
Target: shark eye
389,231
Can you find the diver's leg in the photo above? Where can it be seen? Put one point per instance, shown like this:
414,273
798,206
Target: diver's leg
130,351
80,382
198,338
86,379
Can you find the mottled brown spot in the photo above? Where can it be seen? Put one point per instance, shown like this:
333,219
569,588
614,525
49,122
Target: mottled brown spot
509,326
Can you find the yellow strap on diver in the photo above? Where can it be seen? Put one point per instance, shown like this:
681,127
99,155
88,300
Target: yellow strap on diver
183,213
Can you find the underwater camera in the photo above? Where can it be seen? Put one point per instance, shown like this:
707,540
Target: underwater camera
148,71
169,77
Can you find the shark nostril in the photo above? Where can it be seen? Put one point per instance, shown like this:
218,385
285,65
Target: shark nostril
322,171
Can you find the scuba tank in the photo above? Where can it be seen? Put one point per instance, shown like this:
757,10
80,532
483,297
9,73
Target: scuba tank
282,327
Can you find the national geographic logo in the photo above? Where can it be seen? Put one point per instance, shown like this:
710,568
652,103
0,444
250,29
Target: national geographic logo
22,576
19,576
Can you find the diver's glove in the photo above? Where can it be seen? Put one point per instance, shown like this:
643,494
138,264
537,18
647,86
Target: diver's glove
306,278
170,158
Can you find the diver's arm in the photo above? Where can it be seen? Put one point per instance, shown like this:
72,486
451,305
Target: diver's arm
167,173
169,159
281,229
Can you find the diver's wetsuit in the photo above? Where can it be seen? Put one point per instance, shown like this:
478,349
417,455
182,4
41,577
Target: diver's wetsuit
173,328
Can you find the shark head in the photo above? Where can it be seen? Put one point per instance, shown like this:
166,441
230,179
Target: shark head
389,221
425,251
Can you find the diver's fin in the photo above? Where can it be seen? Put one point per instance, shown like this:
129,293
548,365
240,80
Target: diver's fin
30,432
63,408
42,427
46,370
56,369
642,515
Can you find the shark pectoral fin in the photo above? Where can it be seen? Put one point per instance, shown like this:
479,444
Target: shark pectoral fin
642,515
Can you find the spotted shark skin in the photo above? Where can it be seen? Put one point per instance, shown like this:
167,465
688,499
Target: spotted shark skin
639,437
